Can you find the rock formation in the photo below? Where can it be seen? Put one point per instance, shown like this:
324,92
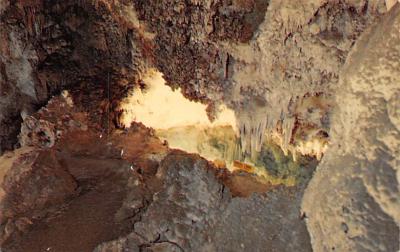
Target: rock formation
128,191
315,80
357,183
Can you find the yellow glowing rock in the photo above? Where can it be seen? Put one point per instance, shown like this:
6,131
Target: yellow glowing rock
160,107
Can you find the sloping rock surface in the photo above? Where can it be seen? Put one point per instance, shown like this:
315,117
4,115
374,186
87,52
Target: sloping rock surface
353,201
127,191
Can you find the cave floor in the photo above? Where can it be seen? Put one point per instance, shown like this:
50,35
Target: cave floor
87,218
106,177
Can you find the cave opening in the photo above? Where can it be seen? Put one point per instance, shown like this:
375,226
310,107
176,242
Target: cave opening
185,125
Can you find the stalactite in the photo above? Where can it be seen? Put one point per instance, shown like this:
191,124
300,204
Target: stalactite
258,123
287,129
254,124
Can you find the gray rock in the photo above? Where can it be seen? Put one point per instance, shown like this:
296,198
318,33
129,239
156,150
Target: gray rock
194,212
353,201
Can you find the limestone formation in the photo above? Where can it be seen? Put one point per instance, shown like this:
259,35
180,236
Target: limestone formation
303,83
353,201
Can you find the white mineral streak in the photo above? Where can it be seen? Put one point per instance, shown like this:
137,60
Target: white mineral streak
258,73
288,59
21,70
353,201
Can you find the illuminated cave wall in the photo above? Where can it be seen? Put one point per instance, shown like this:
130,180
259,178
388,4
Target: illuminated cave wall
276,64
267,57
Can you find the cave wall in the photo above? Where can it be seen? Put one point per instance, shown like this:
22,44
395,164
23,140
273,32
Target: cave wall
87,47
268,57
17,84
261,58
352,203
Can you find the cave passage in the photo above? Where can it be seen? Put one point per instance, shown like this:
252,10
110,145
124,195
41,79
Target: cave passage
223,125
185,125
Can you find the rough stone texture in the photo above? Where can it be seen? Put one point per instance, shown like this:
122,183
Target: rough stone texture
88,47
188,206
87,189
297,53
353,202
35,182
185,36
67,196
50,123
193,211
181,213
264,56
17,85
264,61
264,222
275,62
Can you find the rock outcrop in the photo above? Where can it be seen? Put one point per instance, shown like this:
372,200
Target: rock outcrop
126,191
48,46
278,59
264,59
302,73
353,201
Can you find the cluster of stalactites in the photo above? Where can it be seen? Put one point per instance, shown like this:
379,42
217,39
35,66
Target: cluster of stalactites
257,123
